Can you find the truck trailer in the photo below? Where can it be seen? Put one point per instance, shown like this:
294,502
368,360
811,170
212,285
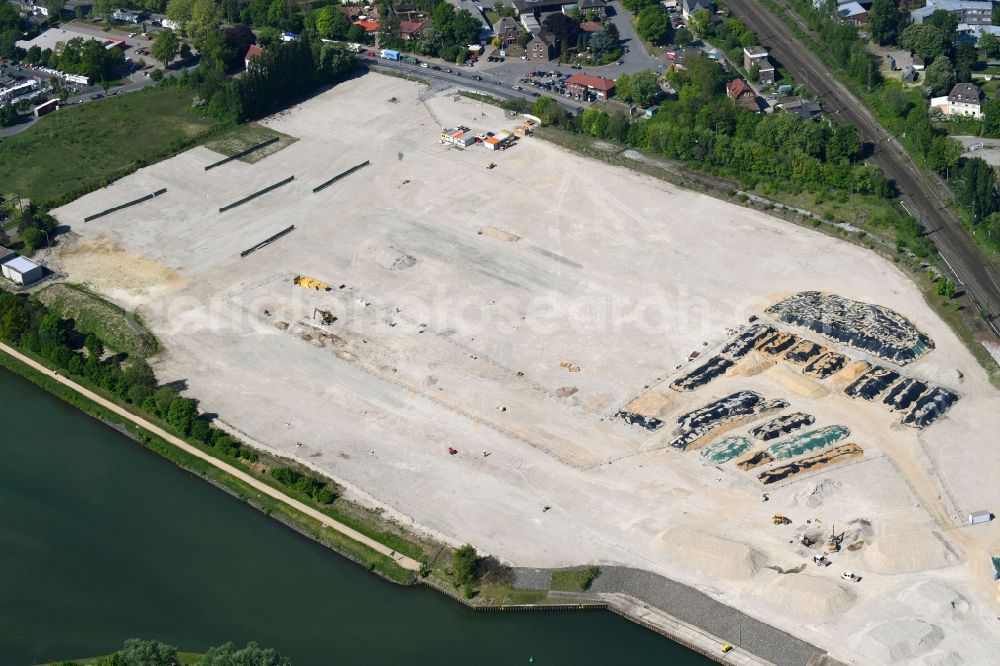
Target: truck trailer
388,54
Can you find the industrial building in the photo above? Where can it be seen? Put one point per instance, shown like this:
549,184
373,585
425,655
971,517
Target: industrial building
22,271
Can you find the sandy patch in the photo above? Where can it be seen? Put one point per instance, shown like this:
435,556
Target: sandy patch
652,404
127,277
709,554
752,364
842,379
796,383
907,552
811,598
934,600
901,641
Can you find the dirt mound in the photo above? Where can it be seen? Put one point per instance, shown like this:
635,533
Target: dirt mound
387,257
934,600
816,494
797,383
752,364
907,552
810,598
901,641
709,554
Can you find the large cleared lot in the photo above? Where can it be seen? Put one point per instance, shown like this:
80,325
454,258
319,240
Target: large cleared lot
510,312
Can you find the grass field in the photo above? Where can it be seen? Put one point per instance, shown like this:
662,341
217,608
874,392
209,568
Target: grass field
117,328
81,148
577,580
183,659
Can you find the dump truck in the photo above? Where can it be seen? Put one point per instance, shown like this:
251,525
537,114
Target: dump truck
409,59
311,283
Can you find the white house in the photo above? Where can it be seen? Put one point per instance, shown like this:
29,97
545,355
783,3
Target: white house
965,99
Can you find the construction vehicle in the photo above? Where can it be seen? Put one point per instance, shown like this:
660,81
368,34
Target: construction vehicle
726,647
821,561
311,283
851,576
491,165
452,450
324,316
779,519
833,543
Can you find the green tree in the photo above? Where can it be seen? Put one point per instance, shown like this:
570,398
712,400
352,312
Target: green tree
205,18
989,43
991,117
946,21
939,77
548,110
138,652
165,46
700,22
883,21
331,23
642,87
965,58
180,11
602,42
181,413
13,323
357,34
924,39
251,655
8,115
33,238
463,566
654,25
162,400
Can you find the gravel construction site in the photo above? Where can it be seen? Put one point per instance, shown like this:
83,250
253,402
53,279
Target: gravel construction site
543,318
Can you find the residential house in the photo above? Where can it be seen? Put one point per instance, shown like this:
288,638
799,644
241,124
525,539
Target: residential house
371,27
599,87
852,12
738,89
251,53
532,6
541,47
765,72
508,31
803,108
689,7
753,55
967,99
125,16
596,7
974,12
410,30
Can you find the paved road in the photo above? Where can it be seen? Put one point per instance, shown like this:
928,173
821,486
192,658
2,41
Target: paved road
923,195
323,519
490,85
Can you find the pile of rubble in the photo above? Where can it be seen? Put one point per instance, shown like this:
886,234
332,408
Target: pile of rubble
871,328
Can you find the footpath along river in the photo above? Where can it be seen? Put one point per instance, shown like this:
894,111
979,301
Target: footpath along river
101,540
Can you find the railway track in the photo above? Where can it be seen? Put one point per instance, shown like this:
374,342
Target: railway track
924,196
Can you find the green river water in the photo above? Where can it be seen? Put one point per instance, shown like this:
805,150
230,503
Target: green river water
101,540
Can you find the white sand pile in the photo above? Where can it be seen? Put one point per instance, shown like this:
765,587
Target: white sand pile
810,598
815,494
901,641
708,554
934,600
907,552
796,383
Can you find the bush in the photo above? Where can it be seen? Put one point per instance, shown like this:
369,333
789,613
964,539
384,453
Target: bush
463,566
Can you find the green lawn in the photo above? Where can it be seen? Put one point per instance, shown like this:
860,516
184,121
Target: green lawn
576,580
80,148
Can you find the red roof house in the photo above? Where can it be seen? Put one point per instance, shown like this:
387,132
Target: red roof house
582,83
251,53
411,29
370,27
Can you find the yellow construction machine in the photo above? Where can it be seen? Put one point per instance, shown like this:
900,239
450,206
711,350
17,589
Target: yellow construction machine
779,519
311,283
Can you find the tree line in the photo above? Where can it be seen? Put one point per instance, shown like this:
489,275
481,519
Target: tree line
140,652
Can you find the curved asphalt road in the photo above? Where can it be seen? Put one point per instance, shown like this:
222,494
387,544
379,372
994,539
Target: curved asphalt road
923,195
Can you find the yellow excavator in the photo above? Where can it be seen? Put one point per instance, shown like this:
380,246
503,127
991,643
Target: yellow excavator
779,519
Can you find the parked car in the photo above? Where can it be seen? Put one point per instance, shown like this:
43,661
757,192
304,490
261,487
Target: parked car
534,94
476,77
436,68
424,65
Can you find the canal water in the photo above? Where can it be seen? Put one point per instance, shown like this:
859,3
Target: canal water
101,540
